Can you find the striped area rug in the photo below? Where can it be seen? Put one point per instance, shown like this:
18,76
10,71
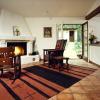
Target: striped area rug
40,82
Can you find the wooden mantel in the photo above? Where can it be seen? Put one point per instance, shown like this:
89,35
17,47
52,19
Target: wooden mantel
93,13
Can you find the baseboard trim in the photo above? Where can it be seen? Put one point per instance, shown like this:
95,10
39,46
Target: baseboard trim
94,63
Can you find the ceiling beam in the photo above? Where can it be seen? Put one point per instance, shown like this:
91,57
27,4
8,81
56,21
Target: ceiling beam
93,13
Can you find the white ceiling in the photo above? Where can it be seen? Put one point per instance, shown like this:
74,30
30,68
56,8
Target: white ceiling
48,8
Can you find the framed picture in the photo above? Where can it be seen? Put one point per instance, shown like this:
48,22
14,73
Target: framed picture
47,32
16,31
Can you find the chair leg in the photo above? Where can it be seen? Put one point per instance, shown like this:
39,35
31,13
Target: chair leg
1,72
17,73
67,63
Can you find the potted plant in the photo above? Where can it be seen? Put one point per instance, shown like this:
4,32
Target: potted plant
92,38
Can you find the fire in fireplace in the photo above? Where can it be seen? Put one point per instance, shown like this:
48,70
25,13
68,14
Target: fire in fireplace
20,47
19,50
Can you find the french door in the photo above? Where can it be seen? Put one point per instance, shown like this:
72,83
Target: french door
85,40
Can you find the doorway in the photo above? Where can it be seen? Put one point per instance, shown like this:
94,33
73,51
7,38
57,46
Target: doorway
85,40
73,34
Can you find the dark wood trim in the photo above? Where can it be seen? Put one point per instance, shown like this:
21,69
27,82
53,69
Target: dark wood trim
93,13
82,42
85,58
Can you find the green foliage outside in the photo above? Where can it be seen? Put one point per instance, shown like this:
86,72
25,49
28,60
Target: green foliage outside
78,47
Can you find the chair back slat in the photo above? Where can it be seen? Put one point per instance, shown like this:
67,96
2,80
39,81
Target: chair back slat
60,45
6,56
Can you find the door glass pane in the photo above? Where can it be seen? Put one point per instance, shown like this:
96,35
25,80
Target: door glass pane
85,40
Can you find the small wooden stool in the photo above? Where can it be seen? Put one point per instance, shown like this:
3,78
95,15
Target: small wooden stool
59,61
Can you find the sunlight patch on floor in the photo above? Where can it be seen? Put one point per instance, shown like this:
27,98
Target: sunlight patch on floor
70,51
82,63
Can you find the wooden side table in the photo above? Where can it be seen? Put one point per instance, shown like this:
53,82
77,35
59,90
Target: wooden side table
59,61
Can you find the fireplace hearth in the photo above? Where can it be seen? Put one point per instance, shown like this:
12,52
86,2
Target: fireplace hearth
20,47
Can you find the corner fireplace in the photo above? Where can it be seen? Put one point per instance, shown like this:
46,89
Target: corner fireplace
20,47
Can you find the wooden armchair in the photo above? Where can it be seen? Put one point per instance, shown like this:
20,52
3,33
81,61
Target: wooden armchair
8,61
49,54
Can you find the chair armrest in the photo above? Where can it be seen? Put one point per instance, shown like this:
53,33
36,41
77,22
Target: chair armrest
52,50
48,49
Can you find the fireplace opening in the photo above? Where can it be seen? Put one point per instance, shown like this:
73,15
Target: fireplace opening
20,47
19,50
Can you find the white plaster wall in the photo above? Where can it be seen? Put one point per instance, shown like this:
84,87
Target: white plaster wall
94,26
94,23
95,54
8,20
29,47
36,26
